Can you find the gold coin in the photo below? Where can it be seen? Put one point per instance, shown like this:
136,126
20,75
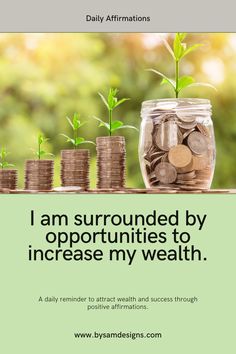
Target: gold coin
186,176
180,156
200,162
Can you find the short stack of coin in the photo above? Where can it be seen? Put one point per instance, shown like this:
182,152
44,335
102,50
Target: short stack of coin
75,168
39,175
8,179
111,161
180,154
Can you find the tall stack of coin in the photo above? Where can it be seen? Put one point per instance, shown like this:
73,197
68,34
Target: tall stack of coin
177,147
39,175
8,179
111,159
75,168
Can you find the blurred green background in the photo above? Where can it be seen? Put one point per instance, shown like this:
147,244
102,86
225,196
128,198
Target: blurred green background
45,77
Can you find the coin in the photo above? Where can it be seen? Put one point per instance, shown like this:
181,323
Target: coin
111,158
191,161
75,168
165,172
186,118
180,156
167,135
39,174
200,162
185,169
186,176
202,129
187,132
8,179
197,142
187,126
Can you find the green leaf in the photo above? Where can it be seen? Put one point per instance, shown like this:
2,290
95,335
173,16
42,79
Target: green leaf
182,36
104,100
88,142
112,100
76,122
3,153
166,81
68,139
170,81
128,127
191,49
102,123
116,124
70,122
168,47
42,153
203,84
184,81
79,140
5,164
40,139
178,47
121,101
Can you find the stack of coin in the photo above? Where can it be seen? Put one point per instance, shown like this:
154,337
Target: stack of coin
75,168
180,153
111,158
39,175
8,179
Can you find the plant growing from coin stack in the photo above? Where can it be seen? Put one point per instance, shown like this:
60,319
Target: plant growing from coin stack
75,162
39,172
39,153
111,103
8,176
3,155
76,124
177,149
111,152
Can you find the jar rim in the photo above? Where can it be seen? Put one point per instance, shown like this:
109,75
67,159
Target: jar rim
174,105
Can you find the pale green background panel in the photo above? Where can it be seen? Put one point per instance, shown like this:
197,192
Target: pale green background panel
205,327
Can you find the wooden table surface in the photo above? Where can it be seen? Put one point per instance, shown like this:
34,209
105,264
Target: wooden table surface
121,191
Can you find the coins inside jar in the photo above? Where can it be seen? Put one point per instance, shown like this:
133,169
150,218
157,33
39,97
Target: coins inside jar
182,151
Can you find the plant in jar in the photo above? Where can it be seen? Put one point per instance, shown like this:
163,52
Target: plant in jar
177,147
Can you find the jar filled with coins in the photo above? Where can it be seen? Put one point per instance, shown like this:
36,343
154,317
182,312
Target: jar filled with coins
177,144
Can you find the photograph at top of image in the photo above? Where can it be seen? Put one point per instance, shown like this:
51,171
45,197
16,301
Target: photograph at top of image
117,112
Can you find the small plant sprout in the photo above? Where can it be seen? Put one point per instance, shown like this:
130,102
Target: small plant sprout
178,52
3,155
76,124
111,103
39,152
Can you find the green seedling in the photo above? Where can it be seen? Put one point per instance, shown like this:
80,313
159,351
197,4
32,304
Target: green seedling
178,51
39,152
3,155
111,103
76,124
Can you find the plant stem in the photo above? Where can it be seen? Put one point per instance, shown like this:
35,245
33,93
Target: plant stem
39,152
110,120
177,79
75,139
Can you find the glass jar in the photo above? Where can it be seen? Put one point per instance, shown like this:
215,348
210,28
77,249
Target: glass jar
177,144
